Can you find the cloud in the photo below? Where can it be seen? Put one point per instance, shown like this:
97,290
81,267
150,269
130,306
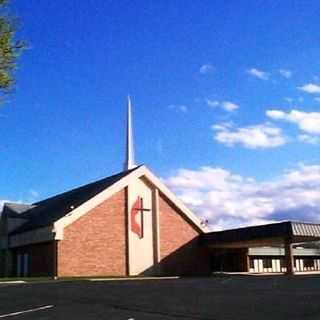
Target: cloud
310,88
178,107
229,200
291,100
225,105
306,121
2,202
206,68
229,106
285,73
309,139
252,137
259,74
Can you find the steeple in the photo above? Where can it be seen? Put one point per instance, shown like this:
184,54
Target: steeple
129,161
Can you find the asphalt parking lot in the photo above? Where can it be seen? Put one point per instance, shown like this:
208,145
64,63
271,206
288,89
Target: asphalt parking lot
227,297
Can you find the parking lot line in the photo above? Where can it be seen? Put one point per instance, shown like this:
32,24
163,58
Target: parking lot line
25,311
11,282
134,278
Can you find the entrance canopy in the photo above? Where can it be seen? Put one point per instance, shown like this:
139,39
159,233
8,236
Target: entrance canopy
275,234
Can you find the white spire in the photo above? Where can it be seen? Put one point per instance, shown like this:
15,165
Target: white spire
129,162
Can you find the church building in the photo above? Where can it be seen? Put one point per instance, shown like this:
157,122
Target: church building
131,224
124,225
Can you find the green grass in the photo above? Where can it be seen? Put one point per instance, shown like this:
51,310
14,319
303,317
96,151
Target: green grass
26,279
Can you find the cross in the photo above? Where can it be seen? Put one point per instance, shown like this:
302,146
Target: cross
137,208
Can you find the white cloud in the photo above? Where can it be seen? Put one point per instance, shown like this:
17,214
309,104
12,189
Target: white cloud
213,103
206,68
178,107
310,88
259,74
2,202
306,121
229,106
229,200
285,73
309,139
252,137
225,105
275,114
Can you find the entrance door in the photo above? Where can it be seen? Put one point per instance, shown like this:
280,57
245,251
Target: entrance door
22,264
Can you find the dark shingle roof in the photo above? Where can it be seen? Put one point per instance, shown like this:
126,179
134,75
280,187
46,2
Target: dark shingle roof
46,212
289,229
14,210
18,208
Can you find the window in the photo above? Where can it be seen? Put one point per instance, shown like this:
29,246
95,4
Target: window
251,263
283,263
267,263
308,262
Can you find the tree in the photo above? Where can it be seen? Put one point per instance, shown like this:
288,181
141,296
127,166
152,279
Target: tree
10,48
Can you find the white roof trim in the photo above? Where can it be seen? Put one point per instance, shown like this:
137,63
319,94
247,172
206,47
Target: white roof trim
143,171
174,199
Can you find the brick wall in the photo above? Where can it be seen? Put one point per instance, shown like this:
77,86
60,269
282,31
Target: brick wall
180,251
95,244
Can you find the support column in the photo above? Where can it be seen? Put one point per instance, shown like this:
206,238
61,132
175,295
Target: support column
289,257
156,232
246,260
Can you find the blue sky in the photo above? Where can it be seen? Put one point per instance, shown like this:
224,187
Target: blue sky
220,90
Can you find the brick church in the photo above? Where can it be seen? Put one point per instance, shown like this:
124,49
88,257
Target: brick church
131,224
124,225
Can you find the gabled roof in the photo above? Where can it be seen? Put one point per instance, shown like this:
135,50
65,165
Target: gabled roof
141,172
65,208
46,212
15,210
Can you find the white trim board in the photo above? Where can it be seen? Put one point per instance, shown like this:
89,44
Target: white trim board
142,171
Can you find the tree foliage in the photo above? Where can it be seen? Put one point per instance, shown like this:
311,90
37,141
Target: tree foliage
10,48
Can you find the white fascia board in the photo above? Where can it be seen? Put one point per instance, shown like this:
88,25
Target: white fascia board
143,171
174,199
84,208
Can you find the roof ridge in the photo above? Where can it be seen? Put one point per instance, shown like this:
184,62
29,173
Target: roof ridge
121,173
49,210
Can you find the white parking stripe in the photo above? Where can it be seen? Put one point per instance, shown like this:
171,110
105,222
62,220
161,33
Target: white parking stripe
134,278
25,311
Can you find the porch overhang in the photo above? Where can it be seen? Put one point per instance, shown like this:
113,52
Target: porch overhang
275,234
282,234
